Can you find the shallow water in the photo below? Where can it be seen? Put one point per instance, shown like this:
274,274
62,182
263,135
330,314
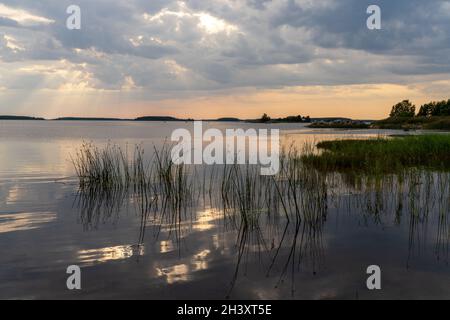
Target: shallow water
45,226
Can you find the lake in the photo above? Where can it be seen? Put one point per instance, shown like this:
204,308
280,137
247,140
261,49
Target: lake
46,225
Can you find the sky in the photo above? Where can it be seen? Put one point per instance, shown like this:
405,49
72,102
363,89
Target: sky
217,58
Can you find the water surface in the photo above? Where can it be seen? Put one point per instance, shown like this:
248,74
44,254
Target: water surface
45,226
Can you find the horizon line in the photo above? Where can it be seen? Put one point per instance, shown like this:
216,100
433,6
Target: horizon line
156,118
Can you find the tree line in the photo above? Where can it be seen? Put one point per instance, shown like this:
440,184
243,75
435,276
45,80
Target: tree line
291,119
431,109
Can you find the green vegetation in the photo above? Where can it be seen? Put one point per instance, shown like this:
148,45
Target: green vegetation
340,125
436,109
294,119
89,119
265,118
291,119
244,194
283,214
226,119
107,168
19,118
431,116
414,123
403,109
382,155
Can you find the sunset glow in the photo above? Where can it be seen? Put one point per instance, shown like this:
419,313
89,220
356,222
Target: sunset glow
219,58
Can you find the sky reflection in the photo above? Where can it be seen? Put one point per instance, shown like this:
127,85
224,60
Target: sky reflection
14,222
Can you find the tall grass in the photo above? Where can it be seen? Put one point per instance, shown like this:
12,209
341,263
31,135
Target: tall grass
109,174
106,168
283,215
301,191
382,155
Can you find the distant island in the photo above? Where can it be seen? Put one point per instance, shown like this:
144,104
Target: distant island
319,122
160,118
19,118
291,119
431,116
89,119
341,124
263,119
226,120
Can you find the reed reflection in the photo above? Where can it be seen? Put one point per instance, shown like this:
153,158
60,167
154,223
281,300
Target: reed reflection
277,222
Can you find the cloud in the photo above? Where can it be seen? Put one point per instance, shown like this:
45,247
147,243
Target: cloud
22,17
163,49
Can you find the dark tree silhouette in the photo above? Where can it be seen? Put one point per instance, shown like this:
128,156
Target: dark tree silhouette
265,118
438,109
403,109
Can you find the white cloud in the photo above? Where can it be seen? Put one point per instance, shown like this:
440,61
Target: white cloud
213,25
167,49
129,84
12,44
22,17
204,20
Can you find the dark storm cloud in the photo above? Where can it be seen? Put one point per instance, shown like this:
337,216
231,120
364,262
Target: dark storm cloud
409,26
199,44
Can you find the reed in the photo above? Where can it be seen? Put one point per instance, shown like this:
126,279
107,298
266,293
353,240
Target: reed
303,190
283,215
106,168
382,155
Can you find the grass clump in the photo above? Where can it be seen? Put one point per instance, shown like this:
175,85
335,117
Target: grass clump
414,123
382,155
107,168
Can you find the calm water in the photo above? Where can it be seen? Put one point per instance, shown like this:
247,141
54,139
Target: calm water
45,226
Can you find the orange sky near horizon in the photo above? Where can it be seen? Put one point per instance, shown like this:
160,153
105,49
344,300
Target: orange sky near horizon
352,101
222,58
